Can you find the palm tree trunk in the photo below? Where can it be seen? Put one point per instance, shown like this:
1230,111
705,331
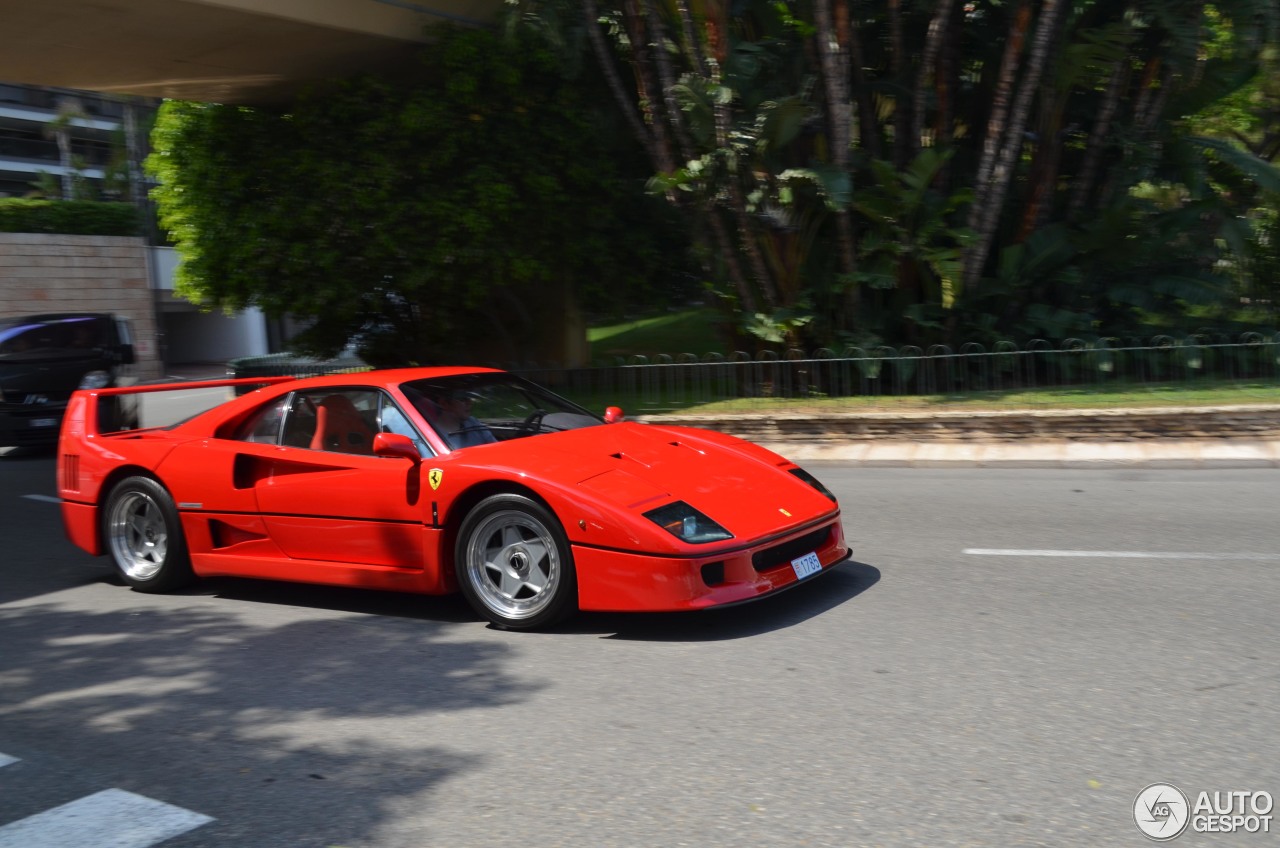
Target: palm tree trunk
1009,67
667,81
833,56
68,109
868,123
610,71
655,81
1043,181
929,65
1097,142
692,48
64,160
947,86
1002,169
728,251
902,144
736,205
1150,106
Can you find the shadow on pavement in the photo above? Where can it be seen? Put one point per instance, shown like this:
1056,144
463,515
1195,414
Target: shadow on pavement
794,606
224,712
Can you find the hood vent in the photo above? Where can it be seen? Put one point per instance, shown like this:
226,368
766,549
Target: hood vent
630,458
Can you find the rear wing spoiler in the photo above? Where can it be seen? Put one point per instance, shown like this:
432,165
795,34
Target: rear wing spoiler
84,411
192,384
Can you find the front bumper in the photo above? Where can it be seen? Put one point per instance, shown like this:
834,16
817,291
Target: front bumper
621,581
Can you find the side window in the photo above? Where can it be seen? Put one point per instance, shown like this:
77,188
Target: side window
300,423
87,334
345,419
392,420
264,426
124,333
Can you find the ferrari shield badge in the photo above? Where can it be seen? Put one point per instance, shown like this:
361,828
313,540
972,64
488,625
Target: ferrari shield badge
434,477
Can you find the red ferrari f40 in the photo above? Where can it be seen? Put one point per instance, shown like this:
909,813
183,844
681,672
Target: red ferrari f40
434,480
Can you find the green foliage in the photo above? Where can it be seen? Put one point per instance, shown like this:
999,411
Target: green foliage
71,217
782,326
1136,164
419,214
910,242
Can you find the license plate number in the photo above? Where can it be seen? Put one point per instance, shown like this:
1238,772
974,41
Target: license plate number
44,422
806,565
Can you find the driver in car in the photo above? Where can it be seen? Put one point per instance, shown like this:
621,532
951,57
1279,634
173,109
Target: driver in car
450,414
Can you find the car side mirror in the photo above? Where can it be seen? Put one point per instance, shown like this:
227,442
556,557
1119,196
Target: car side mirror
613,415
396,444
126,354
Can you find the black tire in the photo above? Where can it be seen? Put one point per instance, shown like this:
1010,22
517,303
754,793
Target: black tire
514,564
143,536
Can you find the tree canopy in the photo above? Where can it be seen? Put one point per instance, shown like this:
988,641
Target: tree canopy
848,171
453,215
941,170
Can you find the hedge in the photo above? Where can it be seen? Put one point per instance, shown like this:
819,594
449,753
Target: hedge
70,217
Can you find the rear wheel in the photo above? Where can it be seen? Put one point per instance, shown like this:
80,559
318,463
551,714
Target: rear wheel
144,537
514,563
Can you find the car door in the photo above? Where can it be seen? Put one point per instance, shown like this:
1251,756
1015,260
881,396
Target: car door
324,496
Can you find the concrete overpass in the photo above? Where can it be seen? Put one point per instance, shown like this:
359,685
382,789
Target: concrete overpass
227,51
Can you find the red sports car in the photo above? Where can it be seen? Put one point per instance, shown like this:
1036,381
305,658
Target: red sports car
433,480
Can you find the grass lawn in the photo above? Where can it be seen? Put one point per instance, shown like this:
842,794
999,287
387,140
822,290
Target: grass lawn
1118,397
689,331
696,331
1224,394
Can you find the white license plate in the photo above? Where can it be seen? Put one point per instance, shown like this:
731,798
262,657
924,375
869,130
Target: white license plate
44,422
806,565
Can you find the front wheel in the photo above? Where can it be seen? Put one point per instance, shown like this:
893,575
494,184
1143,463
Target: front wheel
144,537
514,564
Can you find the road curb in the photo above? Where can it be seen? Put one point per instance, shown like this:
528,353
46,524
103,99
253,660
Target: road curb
1242,436
1162,454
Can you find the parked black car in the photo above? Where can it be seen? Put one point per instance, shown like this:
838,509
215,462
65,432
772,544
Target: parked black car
44,358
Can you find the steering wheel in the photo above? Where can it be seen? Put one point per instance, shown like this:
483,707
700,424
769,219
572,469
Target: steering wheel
533,422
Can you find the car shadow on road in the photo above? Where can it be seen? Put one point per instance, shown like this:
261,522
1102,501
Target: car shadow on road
794,606
440,609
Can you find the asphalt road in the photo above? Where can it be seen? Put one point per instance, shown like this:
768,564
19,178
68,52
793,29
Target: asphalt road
1012,657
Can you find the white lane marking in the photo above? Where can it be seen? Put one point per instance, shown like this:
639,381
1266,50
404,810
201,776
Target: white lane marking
43,498
1030,552
5,760
112,818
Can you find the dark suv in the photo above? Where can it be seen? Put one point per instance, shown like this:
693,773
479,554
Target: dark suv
44,358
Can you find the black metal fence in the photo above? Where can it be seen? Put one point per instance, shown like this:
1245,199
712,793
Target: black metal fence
868,376
290,365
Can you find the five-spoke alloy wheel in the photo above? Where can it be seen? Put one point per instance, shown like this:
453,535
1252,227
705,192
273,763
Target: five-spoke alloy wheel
143,536
514,563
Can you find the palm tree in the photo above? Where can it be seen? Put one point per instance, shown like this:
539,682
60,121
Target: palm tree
69,110
833,52
1004,144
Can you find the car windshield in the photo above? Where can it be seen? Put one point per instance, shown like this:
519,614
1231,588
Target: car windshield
471,410
70,337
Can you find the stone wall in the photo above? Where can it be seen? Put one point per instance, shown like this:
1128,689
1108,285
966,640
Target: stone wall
63,273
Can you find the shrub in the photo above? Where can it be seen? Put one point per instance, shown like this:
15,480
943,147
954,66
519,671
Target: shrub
71,217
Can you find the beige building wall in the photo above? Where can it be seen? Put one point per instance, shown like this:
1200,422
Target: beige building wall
62,273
